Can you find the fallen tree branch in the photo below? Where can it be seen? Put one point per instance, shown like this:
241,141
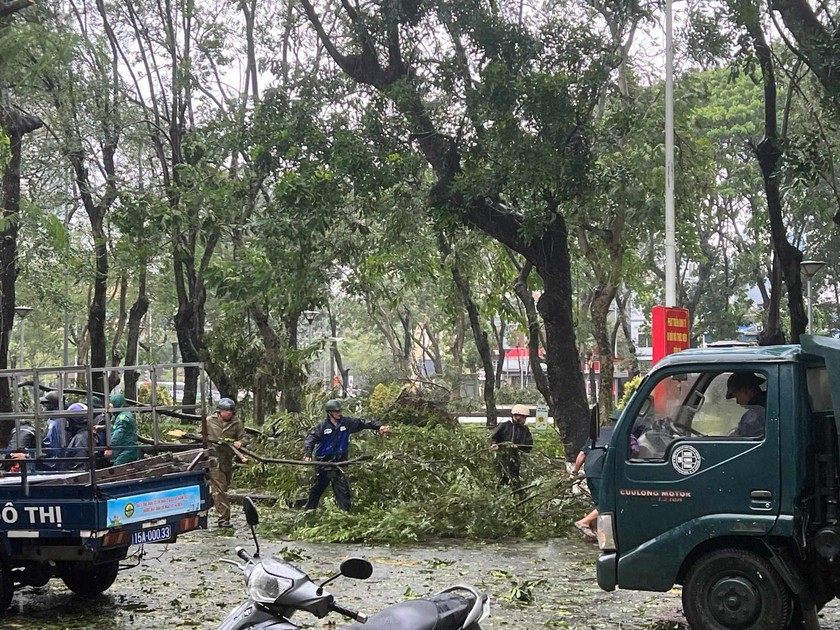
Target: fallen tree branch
242,452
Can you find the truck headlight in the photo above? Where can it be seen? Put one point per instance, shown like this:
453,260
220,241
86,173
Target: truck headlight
266,588
606,532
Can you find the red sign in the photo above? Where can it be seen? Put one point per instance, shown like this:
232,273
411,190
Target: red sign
596,367
670,331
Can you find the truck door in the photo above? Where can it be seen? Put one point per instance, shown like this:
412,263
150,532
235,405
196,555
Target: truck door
696,449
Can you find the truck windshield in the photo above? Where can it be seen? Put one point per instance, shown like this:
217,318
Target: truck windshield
699,405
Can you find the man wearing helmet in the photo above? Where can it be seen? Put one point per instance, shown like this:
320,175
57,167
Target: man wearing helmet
55,438
223,426
512,438
330,442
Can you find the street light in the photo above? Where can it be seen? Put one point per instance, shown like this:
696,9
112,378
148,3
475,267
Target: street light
810,268
22,312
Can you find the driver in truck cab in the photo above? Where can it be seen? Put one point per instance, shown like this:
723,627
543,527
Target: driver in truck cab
745,388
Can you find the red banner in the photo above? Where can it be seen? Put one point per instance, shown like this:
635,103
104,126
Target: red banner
670,331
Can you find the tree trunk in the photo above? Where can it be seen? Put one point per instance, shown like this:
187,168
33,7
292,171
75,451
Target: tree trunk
773,335
481,342
599,309
406,366
135,319
16,127
259,396
114,377
568,393
768,154
527,298
435,349
624,320
383,322
96,312
293,390
457,357
335,354
499,333
273,360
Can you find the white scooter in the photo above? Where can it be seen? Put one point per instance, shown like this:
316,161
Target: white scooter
276,590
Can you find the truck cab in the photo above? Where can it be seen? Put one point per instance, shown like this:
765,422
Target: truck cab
721,475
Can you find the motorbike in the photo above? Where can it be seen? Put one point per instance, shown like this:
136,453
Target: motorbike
277,589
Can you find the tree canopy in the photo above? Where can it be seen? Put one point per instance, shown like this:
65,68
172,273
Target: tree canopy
299,193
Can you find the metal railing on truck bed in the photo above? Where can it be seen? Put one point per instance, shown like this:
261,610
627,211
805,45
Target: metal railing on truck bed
53,466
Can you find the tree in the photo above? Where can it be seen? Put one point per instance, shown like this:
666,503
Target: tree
14,125
522,88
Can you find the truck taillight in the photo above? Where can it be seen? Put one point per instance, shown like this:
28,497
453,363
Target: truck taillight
116,539
606,532
188,524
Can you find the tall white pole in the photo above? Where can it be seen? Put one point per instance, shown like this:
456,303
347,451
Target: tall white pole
670,221
21,343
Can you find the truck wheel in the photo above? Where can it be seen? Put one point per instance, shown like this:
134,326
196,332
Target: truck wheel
89,580
734,589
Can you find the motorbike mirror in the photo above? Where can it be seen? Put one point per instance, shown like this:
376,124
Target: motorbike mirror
356,568
253,519
251,514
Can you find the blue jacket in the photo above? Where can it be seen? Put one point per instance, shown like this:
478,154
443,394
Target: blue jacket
51,443
333,440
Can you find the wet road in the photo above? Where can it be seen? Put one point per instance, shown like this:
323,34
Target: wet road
532,585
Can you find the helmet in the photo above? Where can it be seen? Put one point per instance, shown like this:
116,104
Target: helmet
520,410
78,420
118,400
226,404
96,402
333,405
50,400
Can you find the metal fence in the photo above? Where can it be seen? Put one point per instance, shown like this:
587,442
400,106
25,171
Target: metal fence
27,386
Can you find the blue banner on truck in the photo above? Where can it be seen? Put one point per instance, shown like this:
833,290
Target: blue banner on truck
153,505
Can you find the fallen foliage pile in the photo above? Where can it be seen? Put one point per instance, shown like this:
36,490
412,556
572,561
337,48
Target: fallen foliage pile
421,483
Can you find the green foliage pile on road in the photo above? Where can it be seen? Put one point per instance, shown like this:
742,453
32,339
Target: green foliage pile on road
421,483
397,404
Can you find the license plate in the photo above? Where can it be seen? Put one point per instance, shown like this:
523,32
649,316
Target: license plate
162,534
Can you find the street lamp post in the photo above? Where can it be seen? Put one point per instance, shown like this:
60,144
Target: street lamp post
22,312
810,268
310,319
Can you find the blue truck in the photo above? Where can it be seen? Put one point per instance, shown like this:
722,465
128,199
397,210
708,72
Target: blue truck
79,521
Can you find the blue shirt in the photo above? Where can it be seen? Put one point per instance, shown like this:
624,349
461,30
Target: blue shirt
331,442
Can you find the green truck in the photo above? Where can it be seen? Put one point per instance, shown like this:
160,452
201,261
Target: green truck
722,476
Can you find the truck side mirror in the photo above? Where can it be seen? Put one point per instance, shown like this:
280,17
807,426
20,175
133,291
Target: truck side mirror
594,423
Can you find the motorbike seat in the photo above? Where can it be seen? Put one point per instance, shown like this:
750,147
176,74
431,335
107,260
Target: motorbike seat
445,611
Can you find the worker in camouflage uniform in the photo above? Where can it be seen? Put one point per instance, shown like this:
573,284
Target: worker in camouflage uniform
224,427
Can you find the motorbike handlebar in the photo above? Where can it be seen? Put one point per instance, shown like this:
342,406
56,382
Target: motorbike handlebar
352,614
240,551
